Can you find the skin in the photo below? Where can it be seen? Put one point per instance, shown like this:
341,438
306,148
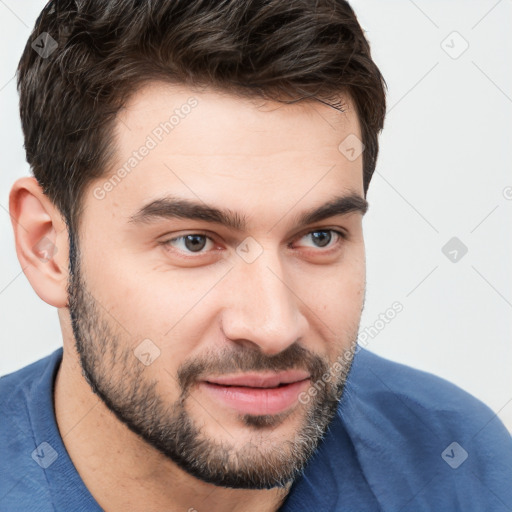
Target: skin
267,161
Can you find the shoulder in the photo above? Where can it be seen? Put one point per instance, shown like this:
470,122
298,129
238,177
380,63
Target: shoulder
27,389
18,388
25,401
421,438
401,392
25,377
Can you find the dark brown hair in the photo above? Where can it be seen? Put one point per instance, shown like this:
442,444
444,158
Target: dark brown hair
104,50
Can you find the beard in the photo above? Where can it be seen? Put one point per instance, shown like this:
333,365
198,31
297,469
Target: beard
121,381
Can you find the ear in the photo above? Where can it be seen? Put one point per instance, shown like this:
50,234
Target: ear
41,238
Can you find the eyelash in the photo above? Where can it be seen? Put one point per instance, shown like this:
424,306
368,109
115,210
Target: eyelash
341,237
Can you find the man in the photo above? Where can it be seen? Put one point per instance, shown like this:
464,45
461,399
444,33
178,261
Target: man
201,170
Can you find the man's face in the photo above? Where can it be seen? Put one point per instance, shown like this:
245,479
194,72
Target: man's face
199,334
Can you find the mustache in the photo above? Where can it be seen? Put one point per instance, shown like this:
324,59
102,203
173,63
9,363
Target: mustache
247,360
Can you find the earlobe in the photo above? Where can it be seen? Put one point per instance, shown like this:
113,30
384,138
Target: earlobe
41,240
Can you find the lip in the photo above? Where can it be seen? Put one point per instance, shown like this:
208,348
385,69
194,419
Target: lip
260,380
269,394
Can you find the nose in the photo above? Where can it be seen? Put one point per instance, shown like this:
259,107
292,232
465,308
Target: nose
263,309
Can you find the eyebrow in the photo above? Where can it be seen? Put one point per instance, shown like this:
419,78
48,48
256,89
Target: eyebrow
170,207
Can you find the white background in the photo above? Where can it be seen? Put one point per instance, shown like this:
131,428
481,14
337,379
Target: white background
443,172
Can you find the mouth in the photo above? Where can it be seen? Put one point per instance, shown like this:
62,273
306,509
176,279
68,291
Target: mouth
260,380
257,394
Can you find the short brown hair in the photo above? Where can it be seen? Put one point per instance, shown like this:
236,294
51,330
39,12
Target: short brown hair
105,50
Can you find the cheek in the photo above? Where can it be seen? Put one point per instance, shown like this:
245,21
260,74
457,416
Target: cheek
335,299
351,290
151,301
335,289
343,300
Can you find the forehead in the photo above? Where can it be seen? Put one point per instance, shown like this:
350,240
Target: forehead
245,153
219,116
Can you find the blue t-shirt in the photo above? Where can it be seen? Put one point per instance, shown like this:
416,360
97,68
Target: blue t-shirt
403,440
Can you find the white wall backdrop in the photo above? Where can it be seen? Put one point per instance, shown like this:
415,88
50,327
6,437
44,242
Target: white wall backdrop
439,227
